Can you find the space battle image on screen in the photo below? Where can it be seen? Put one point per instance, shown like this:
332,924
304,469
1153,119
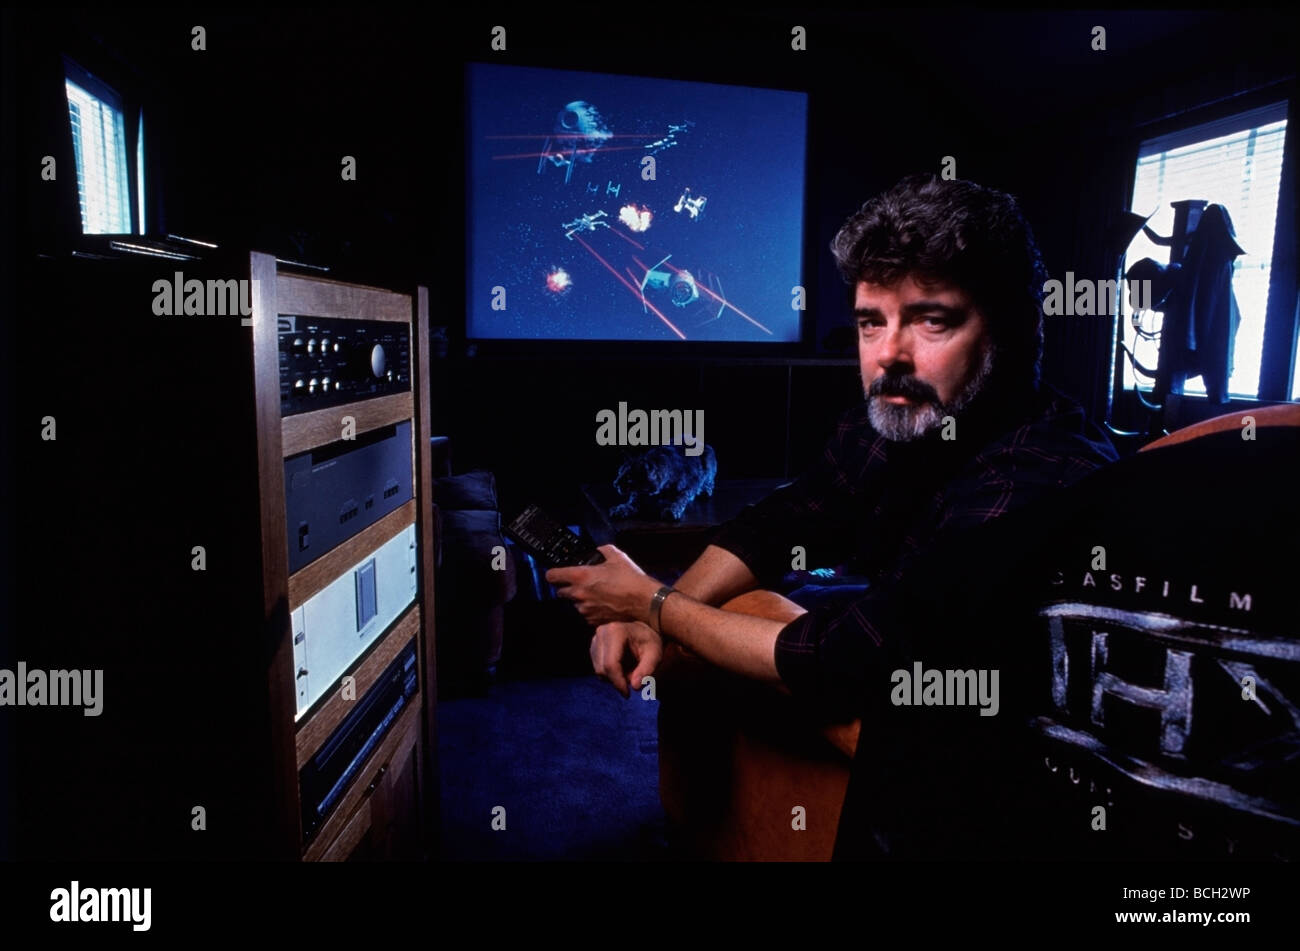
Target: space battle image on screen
607,207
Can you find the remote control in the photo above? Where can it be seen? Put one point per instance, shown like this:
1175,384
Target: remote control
550,542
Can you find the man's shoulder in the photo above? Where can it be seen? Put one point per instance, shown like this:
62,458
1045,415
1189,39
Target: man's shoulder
1054,439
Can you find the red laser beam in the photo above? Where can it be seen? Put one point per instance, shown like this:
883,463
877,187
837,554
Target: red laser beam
631,287
639,247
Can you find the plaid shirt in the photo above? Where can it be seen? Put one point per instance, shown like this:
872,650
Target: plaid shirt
876,506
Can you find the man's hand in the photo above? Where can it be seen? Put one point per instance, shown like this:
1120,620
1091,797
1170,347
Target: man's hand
613,641
616,590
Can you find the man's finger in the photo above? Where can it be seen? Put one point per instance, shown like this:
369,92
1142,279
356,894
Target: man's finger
597,653
644,669
610,662
615,674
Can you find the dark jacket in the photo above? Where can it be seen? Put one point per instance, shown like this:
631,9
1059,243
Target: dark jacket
1203,344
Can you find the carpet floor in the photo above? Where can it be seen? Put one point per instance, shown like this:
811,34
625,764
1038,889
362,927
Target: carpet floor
574,766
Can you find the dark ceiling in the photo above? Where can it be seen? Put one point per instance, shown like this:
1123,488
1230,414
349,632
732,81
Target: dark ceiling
978,56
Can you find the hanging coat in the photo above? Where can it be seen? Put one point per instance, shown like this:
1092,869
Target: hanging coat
1204,344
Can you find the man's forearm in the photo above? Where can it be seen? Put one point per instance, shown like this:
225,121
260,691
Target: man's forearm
741,643
716,577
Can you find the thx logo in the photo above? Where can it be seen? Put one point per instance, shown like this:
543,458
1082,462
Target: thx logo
102,904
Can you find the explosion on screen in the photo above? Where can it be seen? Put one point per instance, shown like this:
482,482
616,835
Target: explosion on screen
558,281
636,219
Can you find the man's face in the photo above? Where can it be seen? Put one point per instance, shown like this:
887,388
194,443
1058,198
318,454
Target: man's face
924,351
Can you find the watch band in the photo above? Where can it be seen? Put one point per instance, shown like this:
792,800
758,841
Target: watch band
656,605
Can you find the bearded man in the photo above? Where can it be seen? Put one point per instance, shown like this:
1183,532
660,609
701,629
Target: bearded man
955,430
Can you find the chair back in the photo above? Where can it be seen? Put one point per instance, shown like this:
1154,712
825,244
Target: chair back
1166,711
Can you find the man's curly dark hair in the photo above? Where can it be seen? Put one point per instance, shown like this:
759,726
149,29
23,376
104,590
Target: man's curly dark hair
960,233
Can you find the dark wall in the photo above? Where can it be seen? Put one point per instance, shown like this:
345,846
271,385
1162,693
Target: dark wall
245,141
533,422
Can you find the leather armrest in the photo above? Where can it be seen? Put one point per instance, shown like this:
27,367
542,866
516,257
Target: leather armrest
737,759
843,736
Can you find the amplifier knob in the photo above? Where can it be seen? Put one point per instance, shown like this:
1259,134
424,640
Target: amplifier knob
325,384
311,345
377,360
311,385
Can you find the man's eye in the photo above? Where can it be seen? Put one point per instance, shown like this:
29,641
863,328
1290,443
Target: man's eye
866,325
937,323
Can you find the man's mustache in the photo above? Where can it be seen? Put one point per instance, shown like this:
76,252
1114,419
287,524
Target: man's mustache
909,386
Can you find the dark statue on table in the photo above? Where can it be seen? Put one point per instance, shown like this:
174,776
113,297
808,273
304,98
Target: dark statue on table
661,483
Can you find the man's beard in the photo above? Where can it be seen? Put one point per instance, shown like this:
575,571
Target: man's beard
909,421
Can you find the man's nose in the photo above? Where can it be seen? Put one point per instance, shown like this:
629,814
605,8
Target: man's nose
894,347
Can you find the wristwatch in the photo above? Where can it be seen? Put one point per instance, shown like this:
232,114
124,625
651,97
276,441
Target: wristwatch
656,605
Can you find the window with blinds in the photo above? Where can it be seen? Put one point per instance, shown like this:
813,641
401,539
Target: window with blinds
99,142
1237,163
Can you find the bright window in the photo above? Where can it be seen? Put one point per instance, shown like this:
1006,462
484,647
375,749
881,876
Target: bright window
1236,163
99,141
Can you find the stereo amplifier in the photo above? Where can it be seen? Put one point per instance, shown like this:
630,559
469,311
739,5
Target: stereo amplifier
327,361
333,492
